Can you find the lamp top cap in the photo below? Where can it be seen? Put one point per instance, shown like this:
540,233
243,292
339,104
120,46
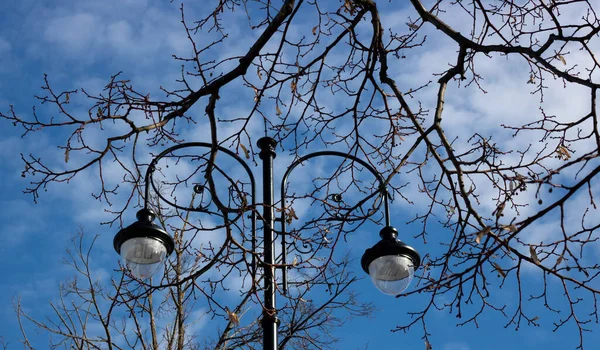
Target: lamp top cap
267,146
145,215
266,142
388,232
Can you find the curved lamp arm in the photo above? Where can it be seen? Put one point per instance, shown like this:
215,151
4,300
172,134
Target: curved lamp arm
382,190
149,183
152,168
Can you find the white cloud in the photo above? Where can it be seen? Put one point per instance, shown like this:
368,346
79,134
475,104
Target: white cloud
197,320
74,33
120,35
5,47
456,346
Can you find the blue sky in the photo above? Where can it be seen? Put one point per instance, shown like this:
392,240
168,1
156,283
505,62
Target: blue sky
81,43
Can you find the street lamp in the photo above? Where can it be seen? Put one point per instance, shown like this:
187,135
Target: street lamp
143,245
390,263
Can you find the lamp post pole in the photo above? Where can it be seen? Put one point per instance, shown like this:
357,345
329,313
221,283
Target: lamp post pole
269,320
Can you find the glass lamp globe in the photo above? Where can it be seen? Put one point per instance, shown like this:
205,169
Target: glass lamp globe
143,245
391,264
143,256
392,274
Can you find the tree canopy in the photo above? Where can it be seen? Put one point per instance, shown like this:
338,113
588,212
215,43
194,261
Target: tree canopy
481,117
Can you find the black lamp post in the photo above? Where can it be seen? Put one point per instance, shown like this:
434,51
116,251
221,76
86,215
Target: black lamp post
143,246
